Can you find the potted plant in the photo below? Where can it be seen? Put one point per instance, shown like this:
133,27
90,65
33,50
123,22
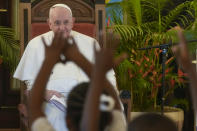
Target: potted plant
148,23
9,48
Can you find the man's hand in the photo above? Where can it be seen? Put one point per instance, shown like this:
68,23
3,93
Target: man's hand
50,93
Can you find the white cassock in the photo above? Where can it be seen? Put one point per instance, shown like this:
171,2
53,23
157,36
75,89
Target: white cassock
63,76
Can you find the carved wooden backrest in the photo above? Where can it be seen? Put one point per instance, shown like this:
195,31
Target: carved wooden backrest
85,11
82,11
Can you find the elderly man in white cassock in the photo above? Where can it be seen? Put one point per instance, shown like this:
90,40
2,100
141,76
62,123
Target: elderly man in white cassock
63,76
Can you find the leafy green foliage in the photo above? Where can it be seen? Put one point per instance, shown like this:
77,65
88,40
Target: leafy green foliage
144,18
9,48
148,23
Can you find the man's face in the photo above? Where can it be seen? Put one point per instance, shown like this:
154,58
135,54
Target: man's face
60,19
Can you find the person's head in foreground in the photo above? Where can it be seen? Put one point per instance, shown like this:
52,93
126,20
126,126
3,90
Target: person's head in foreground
152,122
75,105
60,18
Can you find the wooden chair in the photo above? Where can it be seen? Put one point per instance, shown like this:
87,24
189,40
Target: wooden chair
89,19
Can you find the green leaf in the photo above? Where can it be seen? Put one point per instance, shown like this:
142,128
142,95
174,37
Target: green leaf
9,48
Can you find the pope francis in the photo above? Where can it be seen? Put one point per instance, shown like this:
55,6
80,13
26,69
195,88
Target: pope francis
63,76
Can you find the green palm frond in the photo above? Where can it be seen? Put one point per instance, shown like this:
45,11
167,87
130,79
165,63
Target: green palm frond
135,4
114,18
194,25
182,13
150,27
141,23
149,11
128,31
9,47
135,11
194,5
160,38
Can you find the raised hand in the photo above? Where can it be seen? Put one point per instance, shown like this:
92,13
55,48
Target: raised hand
181,52
112,39
56,48
71,50
105,59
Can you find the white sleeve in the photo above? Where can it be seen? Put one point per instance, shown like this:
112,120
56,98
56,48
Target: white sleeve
30,62
41,124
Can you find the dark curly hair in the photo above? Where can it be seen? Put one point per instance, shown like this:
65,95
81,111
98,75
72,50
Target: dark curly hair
75,105
152,122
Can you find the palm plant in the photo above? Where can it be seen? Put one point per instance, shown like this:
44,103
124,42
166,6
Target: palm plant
150,19
9,48
143,23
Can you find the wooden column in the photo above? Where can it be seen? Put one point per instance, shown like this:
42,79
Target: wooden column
100,16
25,24
25,35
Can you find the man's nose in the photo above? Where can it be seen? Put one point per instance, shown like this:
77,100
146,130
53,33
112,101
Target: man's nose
62,27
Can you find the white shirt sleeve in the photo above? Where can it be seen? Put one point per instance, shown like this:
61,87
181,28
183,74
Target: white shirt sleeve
30,62
41,124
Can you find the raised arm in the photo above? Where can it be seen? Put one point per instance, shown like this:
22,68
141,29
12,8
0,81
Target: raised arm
37,94
182,54
72,53
91,111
